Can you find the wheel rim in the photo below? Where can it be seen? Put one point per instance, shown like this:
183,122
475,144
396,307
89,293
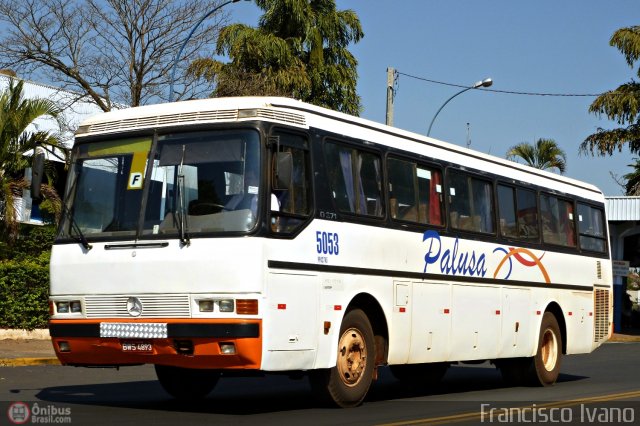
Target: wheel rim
352,356
549,349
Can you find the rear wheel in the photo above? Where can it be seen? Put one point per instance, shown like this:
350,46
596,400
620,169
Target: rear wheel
542,369
187,383
546,362
346,384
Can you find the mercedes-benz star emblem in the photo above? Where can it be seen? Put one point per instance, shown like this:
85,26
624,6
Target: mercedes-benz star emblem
134,306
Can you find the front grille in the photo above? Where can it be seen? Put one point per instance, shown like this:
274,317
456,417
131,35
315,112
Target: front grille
601,326
153,306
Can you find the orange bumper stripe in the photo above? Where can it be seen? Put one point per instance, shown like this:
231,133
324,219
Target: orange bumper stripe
95,350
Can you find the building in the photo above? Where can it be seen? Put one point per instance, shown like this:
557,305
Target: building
623,214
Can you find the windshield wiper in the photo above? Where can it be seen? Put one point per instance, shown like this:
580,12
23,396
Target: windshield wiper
80,236
74,225
183,223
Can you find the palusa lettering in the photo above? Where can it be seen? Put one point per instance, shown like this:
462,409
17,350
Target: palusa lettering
452,262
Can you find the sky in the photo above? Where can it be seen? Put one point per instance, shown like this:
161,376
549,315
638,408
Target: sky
542,46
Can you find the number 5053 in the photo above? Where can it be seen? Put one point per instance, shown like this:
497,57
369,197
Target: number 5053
327,243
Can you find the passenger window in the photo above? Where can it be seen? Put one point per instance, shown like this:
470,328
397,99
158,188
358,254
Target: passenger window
415,192
355,179
558,226
591,228
470,203
507,211
518,212
290,207
528,227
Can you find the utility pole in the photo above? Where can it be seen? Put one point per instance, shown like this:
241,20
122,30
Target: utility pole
391,76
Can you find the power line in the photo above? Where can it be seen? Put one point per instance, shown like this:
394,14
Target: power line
510,92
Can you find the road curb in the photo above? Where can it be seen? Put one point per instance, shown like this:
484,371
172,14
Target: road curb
25,362
16,334
624,339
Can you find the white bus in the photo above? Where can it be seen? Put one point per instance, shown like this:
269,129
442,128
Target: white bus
265,235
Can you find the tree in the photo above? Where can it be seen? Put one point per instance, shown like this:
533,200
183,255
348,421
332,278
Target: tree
545,154
16,138
621,104
299,49
113,51
632,185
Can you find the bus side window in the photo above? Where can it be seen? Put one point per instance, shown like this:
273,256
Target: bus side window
591,228
355,177
291,207
518,210
415,192
402,190
558,226
470,203
507,211
430,205
528,227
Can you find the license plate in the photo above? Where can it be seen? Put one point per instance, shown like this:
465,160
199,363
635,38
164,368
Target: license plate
137,347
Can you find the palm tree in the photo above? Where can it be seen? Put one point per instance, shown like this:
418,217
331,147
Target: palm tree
545,154
299,49
621,105
16,114
633,179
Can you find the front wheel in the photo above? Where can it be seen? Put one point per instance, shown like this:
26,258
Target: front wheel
346,384
187,383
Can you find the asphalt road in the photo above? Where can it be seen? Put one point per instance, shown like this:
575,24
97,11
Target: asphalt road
596,388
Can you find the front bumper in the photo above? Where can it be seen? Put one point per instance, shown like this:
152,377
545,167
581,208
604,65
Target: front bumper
184,343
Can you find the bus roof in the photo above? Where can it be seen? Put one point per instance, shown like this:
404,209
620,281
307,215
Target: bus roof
283,110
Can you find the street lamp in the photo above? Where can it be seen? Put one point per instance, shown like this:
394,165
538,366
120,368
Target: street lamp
175,60
484,83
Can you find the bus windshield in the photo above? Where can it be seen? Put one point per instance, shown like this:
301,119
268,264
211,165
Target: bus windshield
204,182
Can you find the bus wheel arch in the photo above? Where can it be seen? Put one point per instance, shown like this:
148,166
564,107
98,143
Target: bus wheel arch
543,368
370,306
556,310
361,347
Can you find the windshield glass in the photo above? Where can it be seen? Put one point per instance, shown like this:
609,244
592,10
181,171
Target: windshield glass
201,182
211,177
105,188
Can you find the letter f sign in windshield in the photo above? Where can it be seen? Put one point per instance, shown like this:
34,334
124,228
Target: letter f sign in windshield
135,180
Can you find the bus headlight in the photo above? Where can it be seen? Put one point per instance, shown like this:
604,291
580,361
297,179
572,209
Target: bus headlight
76,307
227,348
226,305
68,307
62,307
205,305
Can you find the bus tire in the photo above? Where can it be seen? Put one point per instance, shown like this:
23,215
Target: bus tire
186,383
545,367
542,369
347,384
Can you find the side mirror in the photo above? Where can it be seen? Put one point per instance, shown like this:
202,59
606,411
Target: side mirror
37,173
283,171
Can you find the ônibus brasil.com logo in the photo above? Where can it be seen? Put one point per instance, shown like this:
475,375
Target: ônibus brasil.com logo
20,413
